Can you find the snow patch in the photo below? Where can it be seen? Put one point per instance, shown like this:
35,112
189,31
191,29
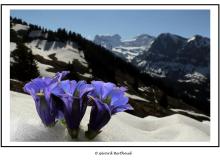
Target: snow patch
13,46
38,51
144,89
64,52
195,77
136,97
86,75
127,49
65,55
18,27
25,125
42,68
191,39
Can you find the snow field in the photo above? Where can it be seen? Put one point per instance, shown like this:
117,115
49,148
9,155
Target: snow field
26,126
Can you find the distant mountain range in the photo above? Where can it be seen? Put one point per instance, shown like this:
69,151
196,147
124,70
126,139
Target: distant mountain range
184,62
167,55
126,49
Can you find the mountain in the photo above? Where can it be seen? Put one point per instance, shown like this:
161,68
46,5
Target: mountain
171,59
126,63
126,49
182,62
174,57
108,41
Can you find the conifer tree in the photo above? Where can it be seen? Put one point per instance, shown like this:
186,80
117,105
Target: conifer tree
23,66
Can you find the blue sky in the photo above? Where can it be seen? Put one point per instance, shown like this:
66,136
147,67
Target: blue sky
127,23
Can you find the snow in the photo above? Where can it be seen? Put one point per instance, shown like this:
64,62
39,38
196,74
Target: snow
38,51
135,97
206,122
15,80
191,39
64,52
25,125
156,73
18,27
189,112
195,77
130,40
42,68
129,53
67,55
199,41
142,63
86,75
143,89
127,49
11,60
13,46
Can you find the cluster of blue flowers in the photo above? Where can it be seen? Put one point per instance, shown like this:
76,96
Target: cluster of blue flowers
58,99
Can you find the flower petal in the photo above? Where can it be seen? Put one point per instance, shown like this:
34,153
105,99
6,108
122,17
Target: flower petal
115,95
123,89
60,75
106,89
68,86
102,89
120,101
99,116
44,111
58,106
63,87
84,89
31,88
122,108
97,87
72,113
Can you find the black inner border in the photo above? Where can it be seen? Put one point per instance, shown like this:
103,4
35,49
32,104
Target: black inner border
111,5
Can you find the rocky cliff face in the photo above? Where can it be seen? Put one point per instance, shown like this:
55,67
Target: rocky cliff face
126,49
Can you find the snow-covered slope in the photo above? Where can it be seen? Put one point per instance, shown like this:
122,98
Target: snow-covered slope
127,49
43,70
64,52
18,27
25,125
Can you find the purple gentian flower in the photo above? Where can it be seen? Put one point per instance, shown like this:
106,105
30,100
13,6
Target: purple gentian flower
60,75
39,89
107,100
74,97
